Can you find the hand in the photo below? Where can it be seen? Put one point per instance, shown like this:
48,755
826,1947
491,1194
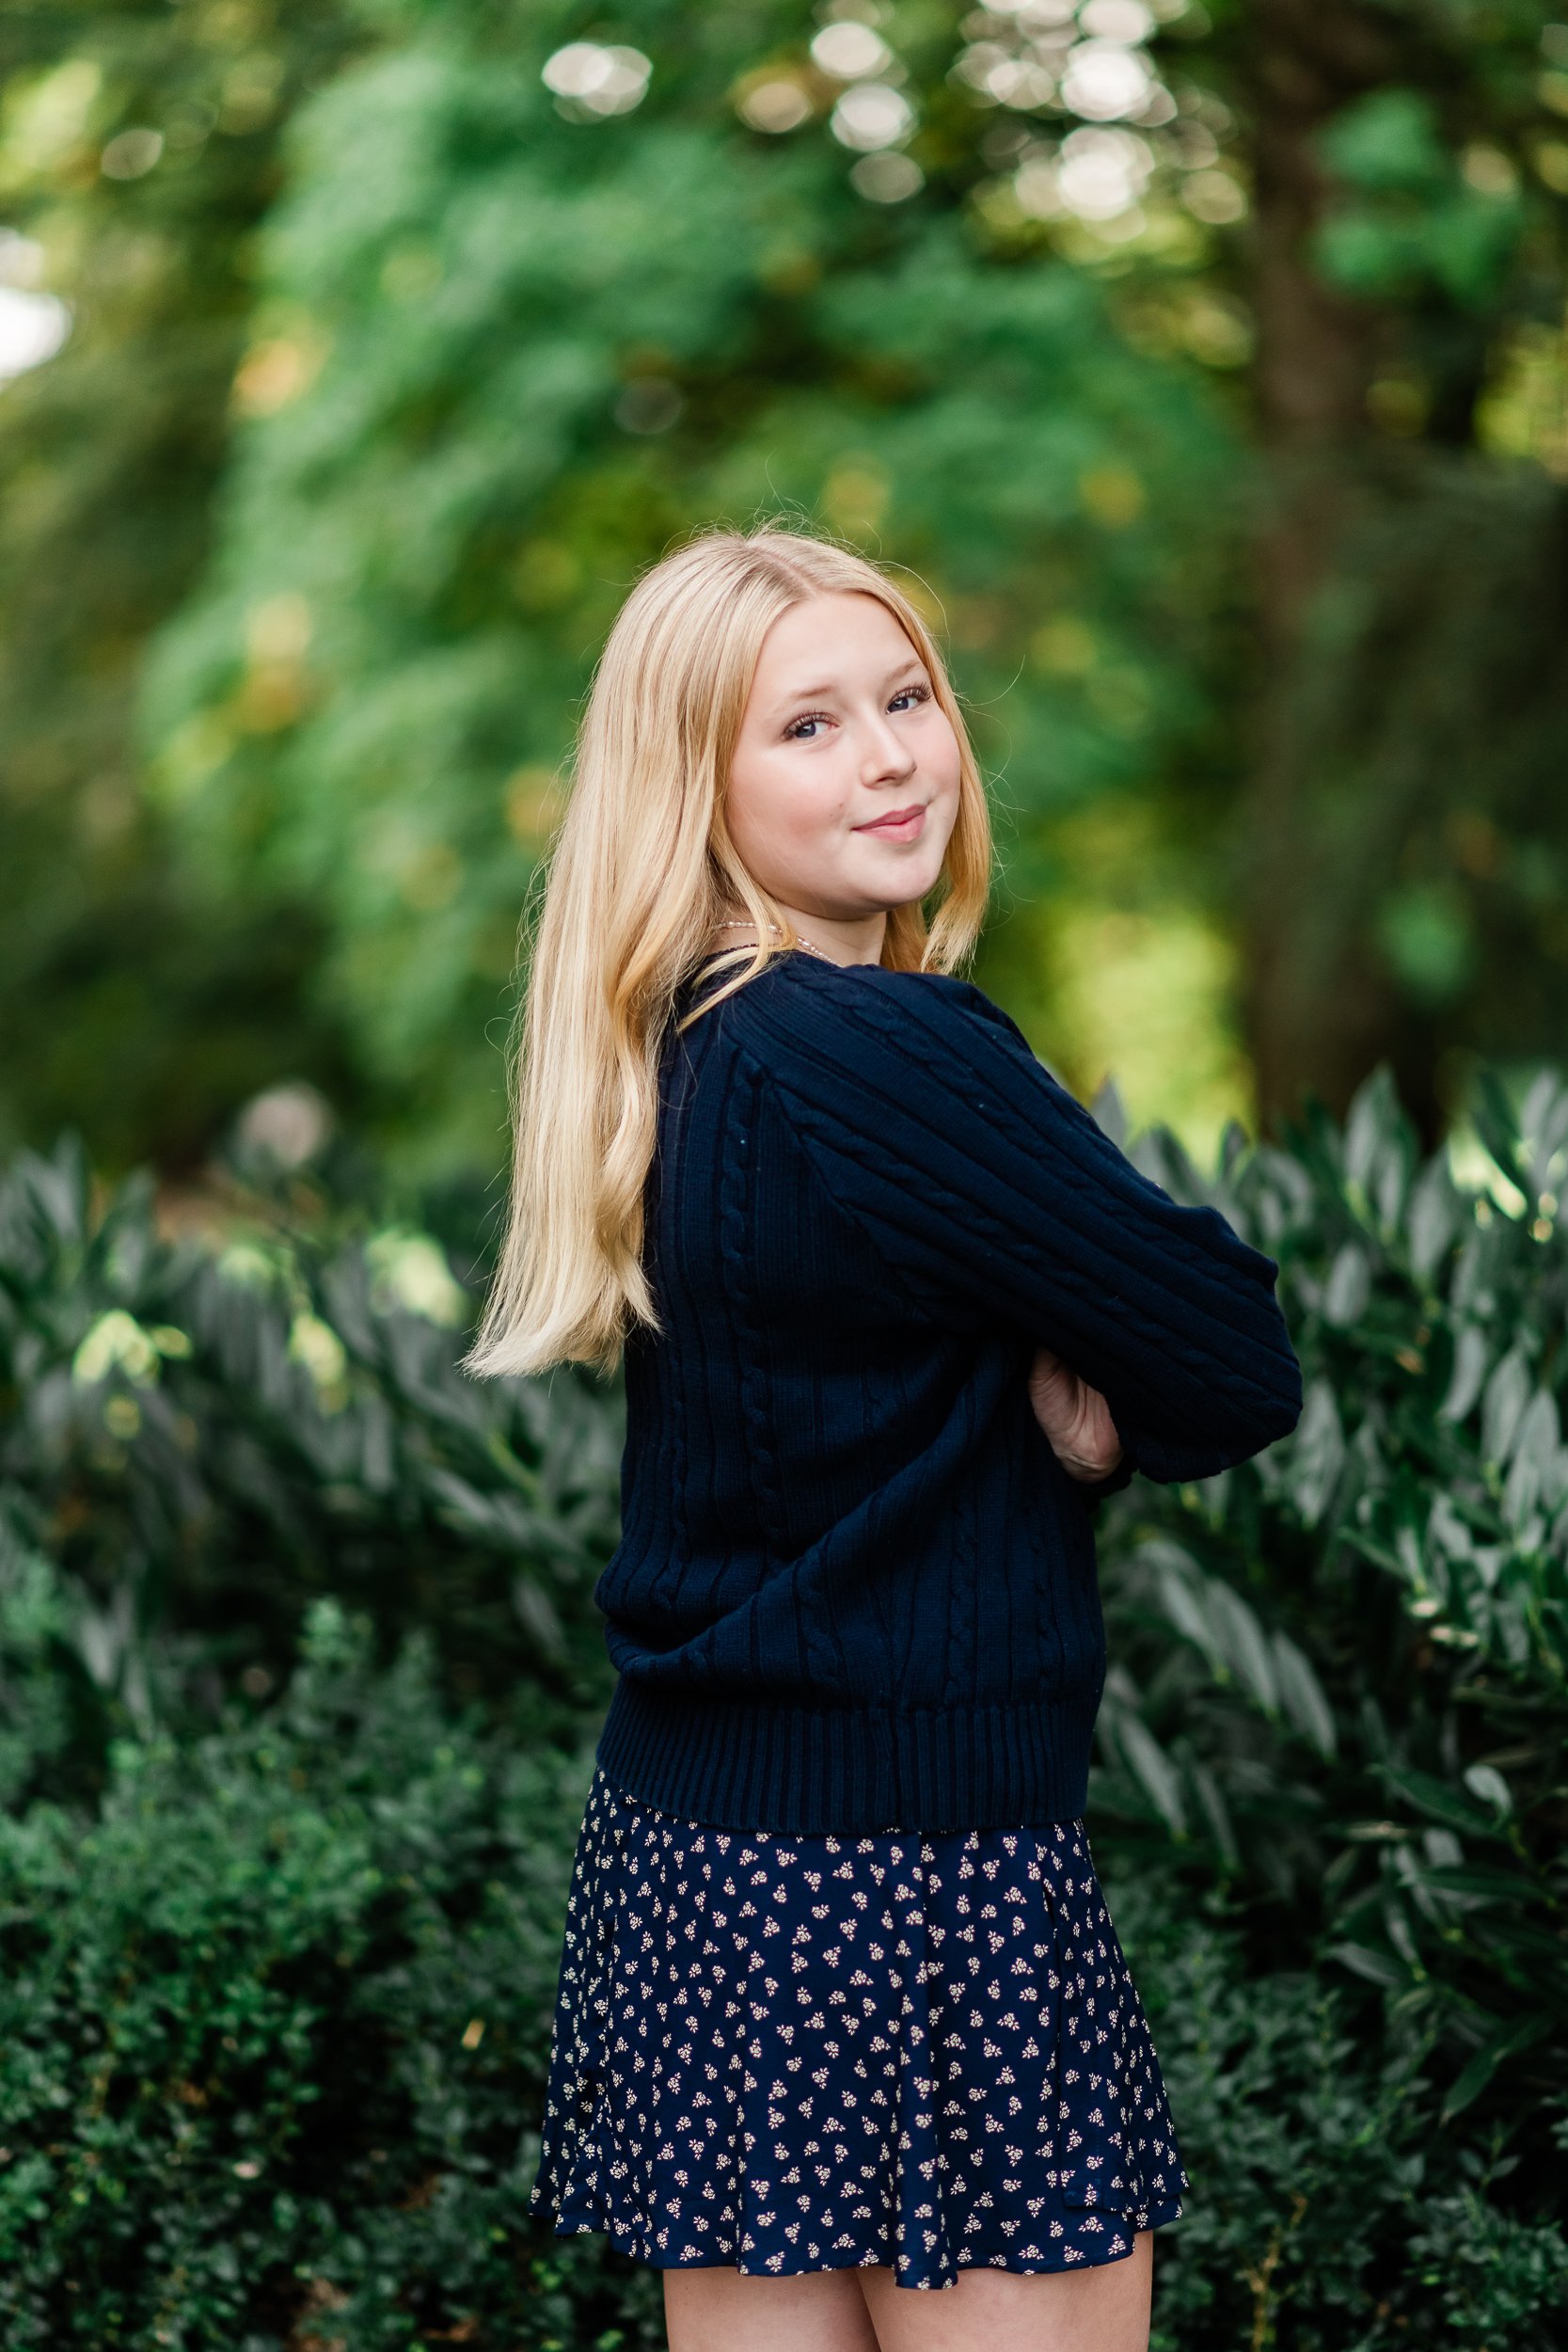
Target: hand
1074,1417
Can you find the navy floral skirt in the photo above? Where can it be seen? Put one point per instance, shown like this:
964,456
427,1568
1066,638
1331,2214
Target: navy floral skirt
788,2053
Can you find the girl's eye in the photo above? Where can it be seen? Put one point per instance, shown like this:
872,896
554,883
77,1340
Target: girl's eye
805,728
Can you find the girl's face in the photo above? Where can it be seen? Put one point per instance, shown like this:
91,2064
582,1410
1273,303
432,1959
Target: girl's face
845,785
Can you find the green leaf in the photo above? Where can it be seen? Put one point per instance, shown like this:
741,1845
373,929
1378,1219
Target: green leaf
1506,2043
1438,1800
1434,1217
1496,1123
1153,1769
1314,1456
1301,1695
1243,1643
1380,1968
1349,1286
1503,1405
1485,1781
1472,1357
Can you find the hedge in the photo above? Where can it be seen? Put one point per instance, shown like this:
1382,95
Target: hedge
300,1678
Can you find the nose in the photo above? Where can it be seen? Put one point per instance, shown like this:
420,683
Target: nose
888,755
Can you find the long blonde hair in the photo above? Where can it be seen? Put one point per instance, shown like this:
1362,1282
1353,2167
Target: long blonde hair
641,868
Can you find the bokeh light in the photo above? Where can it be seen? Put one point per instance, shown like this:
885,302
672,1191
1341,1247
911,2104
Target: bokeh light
871,115
1125,21
33,327
886,178
131,154
850,51
1104,82
1101,172
774,106
286,1126
598,79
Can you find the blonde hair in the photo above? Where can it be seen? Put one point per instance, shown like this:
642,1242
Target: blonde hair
641,868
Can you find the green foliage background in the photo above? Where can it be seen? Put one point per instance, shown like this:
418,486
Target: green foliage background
1240,501
281,1882
1242,508
424,549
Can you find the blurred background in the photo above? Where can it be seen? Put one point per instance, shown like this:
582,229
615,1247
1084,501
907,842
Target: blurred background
1207,366
1206,362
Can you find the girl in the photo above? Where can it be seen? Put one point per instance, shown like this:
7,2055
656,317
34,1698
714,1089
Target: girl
840,2009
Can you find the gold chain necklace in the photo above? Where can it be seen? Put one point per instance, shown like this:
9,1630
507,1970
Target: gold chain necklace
745,924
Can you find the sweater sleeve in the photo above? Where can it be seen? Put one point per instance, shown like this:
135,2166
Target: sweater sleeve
989,1190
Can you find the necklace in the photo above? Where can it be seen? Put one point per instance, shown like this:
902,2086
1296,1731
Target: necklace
747,925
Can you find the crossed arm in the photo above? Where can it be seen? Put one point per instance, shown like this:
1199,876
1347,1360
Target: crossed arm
990,1194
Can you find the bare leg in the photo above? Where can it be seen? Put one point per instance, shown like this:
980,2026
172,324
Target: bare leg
1102,2308
718,2310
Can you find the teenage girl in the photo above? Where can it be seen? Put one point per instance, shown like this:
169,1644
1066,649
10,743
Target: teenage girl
844,2044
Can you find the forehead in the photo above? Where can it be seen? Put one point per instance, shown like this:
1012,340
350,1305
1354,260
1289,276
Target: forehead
831,637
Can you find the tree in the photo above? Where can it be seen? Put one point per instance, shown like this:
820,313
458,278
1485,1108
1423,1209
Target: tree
1406,835
1208,367
528,344
138,148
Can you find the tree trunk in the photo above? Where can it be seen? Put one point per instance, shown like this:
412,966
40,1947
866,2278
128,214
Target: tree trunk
1317,1012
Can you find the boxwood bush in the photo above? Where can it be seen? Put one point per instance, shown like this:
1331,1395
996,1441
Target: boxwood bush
300,1678
274,2021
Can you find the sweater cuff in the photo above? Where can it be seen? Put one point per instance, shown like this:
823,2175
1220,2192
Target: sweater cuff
1092,1489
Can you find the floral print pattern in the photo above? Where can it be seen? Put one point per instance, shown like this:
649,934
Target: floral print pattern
791,2053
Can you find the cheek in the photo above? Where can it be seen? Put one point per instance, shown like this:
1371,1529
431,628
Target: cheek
939,753
788,803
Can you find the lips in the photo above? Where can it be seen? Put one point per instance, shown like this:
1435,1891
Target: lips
897,820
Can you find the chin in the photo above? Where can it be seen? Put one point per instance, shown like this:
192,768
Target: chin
909,881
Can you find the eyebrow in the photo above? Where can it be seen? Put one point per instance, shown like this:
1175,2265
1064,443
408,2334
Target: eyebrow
813,693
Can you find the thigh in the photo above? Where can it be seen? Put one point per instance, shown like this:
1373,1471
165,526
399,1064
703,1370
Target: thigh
716,2309
1102,2307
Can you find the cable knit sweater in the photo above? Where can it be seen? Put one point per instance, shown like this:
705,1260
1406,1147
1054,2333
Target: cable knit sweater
854,1589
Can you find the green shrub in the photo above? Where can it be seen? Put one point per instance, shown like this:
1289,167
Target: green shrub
273,2027
1339,1680
248,1916
205,1439
1330,2210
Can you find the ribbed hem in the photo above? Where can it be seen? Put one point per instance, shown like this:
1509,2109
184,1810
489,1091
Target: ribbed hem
745,1764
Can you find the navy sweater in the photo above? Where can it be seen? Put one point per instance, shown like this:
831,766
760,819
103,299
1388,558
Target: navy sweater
855,1590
